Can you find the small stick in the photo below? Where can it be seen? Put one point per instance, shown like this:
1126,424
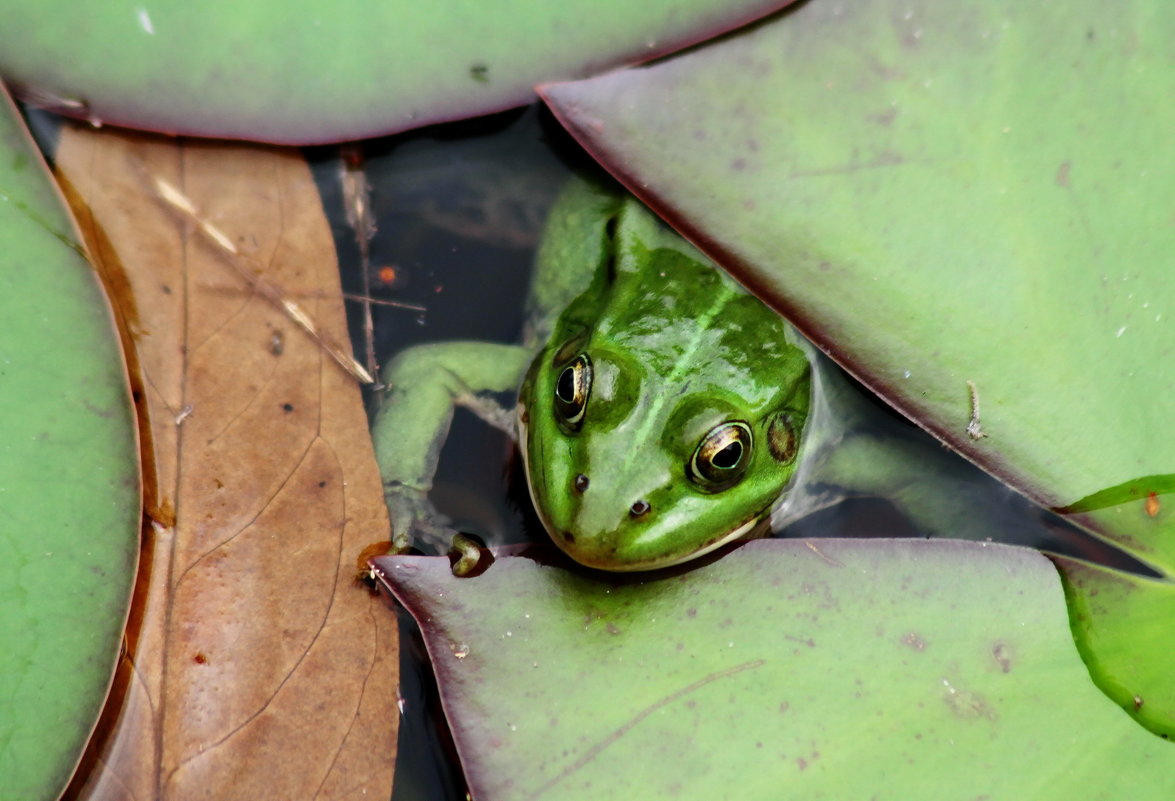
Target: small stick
399,304
357,204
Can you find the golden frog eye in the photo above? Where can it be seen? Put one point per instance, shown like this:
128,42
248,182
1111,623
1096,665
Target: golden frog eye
572,390
722,456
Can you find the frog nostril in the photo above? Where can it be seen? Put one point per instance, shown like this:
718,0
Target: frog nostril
581,483
639,508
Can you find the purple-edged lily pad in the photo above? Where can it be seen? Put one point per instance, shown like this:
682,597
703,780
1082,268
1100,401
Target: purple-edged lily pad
315,71
969,206
69,479
786,669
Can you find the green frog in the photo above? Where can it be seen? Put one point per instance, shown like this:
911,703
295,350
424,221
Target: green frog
662,410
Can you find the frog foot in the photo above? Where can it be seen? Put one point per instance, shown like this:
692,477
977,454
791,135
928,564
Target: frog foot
415,521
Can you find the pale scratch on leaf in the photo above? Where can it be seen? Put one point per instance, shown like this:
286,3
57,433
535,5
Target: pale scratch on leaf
882,160
825,557
622,730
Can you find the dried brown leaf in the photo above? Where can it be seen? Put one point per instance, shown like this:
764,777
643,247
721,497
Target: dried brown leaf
255,667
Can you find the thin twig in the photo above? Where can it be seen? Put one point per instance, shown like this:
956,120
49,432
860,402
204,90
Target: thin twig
266,289
357,204
974,428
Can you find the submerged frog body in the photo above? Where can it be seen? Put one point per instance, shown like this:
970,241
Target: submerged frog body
663,407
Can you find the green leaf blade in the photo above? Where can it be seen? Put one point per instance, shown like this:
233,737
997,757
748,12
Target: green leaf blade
310,72
1122,623
916,187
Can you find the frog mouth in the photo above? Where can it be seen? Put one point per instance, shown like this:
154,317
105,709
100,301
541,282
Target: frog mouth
566,543
756,526
609,560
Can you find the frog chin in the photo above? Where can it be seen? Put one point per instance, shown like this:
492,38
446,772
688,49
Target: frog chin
599,551
612,560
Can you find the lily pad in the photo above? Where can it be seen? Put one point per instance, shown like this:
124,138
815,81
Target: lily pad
969,207
69,477
315,71
785,669
1123,623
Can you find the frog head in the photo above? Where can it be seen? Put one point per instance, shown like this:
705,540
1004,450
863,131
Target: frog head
663,418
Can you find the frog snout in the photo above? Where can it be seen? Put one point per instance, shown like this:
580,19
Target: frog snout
602,528
580,484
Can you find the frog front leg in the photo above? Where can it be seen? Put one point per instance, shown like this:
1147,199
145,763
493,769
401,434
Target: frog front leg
425,383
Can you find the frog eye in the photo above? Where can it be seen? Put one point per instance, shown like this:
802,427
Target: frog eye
572,390
722,456
782,438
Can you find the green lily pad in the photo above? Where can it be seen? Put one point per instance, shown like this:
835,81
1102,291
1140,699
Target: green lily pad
315,71
968,206
1123,622
786,669
69,479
